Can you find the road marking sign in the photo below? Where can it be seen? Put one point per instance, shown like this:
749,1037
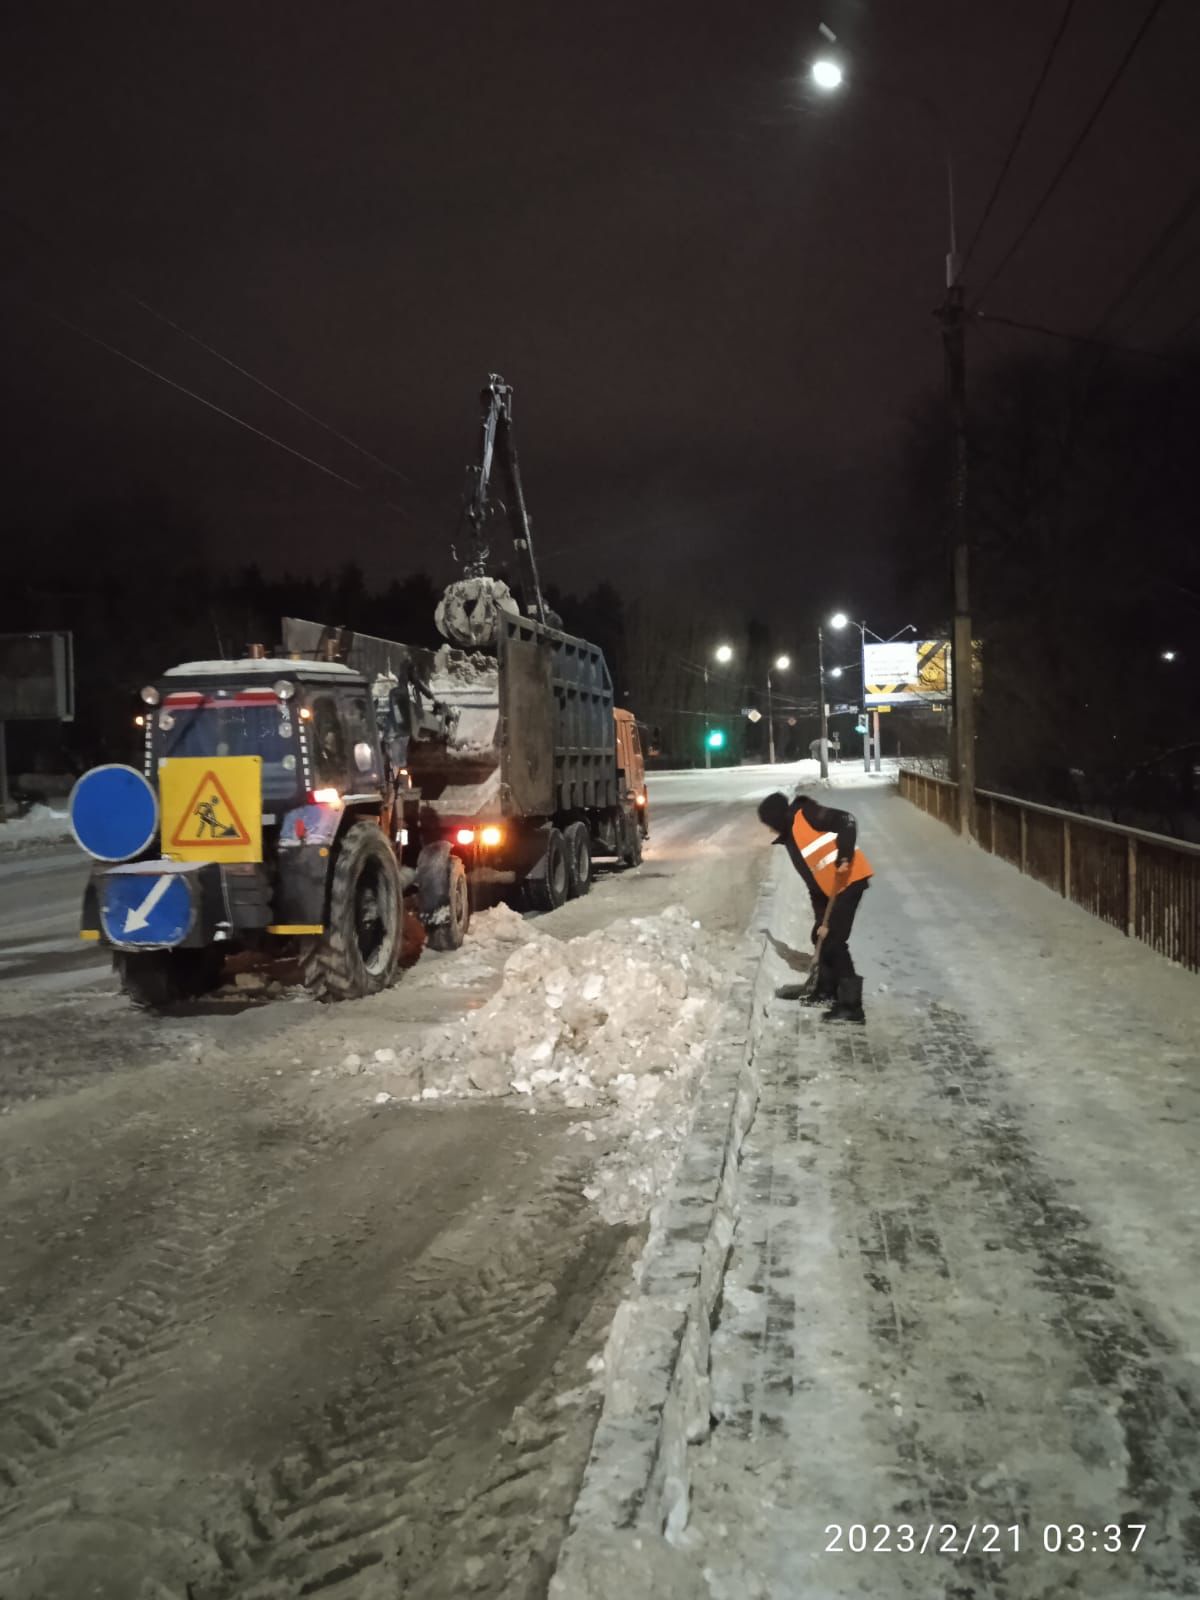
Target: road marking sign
113,813
146,910
212,808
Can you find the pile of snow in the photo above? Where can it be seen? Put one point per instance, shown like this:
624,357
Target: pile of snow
613,1022
470,682
39,825
454,670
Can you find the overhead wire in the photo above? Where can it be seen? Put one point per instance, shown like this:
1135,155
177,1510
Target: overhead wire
986,318
1149,261
1019,134
121,289
1076,145
211,405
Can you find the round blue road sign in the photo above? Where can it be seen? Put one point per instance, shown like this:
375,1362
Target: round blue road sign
113,812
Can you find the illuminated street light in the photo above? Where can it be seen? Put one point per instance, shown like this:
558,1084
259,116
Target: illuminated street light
835,672
839,619
723,655
1169,655
826,74
781,664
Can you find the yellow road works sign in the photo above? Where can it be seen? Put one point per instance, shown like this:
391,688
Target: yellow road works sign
211,808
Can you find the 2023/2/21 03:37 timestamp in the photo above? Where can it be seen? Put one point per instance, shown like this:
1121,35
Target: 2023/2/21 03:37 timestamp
982,1538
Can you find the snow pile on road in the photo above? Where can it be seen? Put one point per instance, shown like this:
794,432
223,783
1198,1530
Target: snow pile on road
614,1022
39,825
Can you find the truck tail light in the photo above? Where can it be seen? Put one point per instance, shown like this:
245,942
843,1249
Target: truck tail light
325,797
491,836
465,836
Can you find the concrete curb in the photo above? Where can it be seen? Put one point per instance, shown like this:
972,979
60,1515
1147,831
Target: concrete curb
657,1357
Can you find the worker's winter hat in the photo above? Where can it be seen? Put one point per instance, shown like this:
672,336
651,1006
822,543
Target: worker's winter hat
775,812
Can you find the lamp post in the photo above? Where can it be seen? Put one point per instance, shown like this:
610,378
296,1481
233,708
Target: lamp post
823,738
723,654
828,75
781,664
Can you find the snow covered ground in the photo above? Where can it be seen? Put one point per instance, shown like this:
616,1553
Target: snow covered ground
41,825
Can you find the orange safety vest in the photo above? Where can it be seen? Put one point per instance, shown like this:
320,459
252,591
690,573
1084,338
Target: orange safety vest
820,855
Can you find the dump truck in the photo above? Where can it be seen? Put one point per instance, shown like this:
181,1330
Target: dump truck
305,800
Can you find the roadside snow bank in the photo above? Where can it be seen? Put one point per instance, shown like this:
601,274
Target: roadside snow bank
614,1022
39,825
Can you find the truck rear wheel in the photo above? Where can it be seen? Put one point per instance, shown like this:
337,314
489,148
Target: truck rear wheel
578,839
443,896
154,979
359,950
549,889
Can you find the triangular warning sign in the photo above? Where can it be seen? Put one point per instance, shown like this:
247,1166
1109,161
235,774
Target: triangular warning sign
210,819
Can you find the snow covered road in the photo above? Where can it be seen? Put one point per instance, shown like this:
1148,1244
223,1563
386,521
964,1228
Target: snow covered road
269,1325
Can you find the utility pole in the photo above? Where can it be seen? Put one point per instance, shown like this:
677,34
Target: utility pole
770,723
962,679
824,737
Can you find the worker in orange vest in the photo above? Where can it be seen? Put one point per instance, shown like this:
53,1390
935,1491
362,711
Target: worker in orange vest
823,846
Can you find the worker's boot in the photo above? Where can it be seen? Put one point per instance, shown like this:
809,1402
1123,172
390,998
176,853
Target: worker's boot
848,1005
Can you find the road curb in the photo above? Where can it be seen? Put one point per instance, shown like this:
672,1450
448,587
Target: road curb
657,1356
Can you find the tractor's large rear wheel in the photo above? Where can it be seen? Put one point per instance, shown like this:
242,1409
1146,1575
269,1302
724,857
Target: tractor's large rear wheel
360,948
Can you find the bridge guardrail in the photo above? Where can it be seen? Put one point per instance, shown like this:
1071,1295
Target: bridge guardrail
1146,884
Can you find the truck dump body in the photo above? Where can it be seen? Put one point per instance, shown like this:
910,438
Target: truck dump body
533,736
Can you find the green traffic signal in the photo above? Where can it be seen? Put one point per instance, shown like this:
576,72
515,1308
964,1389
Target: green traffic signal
716,739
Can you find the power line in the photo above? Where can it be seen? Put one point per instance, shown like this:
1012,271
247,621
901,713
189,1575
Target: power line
1076,145
1021,126
126,293
142,366
1069,338
1150,260
262,384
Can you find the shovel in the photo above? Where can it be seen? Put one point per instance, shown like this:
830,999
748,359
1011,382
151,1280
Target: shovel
803,991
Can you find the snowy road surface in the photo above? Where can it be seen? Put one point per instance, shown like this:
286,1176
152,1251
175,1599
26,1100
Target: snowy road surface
269,1328
960,1332
40,899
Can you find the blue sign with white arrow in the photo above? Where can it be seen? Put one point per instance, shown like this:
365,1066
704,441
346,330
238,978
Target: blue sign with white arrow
152,909
113,812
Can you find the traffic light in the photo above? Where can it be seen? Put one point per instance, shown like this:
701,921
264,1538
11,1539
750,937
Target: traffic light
715,739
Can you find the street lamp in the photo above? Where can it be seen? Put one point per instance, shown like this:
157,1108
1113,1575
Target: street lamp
722,654
781,664
828,76
1169,655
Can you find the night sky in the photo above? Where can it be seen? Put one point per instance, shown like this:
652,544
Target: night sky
712,293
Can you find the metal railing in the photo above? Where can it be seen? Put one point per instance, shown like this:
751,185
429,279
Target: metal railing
1146,884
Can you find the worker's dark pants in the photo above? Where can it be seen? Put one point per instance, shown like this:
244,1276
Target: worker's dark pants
836,963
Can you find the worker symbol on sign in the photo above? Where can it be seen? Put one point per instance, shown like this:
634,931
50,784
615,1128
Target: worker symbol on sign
210,817
207,812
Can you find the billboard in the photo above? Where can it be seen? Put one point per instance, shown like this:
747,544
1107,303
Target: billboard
907,672
37,677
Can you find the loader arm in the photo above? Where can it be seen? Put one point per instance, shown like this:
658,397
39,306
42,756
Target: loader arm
480,508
